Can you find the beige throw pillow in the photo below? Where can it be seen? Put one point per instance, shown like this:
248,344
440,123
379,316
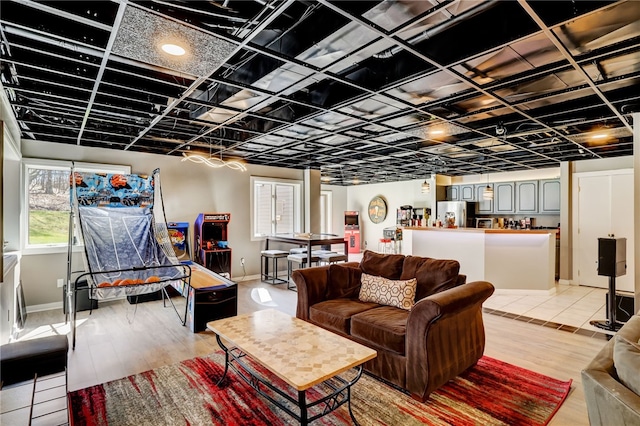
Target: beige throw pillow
626,359
398,293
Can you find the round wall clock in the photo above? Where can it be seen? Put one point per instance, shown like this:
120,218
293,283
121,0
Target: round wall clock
377,209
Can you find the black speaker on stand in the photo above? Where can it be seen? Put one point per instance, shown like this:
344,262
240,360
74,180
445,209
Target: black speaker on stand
612,263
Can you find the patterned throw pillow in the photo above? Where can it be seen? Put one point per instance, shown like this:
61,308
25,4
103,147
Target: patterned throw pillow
398,293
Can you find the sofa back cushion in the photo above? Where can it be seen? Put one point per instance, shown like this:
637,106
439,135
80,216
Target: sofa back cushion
382,265
397,293
343,282
433,275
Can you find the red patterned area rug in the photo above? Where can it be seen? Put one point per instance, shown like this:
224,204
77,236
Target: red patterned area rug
491,393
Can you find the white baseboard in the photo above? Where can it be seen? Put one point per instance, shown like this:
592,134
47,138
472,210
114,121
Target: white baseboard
525,292
246,278
567,282
44,307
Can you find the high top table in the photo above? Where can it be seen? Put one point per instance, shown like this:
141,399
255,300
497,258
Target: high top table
298,352
308,240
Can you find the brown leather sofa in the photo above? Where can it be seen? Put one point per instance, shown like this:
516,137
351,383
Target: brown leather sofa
609,401
418,350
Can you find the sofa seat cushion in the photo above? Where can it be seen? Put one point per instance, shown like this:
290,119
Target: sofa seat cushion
335,314
383,328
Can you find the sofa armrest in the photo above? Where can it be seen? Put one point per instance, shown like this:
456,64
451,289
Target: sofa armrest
609,402
312,288
445,336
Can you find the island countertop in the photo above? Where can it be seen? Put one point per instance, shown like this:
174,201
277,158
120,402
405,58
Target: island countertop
484,230
510,259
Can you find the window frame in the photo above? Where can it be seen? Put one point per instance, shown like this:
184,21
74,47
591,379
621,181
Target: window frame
326,212
45,164
298,206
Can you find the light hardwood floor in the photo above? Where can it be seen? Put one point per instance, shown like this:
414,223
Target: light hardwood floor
119,339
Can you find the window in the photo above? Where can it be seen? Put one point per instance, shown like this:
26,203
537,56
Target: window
47,202
276,206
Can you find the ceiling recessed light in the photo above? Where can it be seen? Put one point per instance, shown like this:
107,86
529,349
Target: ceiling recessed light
173,49
436,132
599,136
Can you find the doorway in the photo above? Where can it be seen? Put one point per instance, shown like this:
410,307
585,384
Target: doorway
605,208
326,209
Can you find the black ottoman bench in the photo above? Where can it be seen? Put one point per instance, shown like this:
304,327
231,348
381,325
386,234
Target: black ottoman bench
20,361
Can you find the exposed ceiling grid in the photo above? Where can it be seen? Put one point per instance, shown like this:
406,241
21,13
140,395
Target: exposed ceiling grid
366,91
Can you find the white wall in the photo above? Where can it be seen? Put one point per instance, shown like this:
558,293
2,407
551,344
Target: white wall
339,204
550,173
597,165
9,166
396,194
188,189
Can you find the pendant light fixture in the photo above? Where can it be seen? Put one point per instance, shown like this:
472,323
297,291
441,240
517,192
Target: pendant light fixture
487,193
426,186
214,162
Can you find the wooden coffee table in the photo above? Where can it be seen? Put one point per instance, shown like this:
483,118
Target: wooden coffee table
300,353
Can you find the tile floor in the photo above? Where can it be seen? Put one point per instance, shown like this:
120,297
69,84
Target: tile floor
571,308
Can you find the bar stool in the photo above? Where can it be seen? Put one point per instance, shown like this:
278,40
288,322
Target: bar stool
301,260
333,257
385,245
274,255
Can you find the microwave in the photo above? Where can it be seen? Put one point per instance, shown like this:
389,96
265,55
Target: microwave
485,222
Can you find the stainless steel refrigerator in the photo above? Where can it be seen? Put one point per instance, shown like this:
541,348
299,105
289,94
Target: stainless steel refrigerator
459,214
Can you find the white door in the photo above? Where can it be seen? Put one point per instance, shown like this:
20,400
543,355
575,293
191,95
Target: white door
622,223
594,222
605,207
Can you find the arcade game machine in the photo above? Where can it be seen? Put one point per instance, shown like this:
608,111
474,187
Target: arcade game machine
352,231
178,232
211,246
211,296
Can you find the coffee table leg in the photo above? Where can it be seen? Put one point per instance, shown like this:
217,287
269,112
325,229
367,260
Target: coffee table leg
355,422
226,359
302,403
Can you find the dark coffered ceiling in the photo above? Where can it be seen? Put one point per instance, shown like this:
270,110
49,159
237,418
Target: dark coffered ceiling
366,91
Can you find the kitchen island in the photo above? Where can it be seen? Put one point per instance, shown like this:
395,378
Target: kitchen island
522,261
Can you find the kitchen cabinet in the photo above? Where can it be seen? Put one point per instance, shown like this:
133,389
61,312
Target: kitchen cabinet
504,198
453,193
524,197
482,205
467,193
527,197
549,193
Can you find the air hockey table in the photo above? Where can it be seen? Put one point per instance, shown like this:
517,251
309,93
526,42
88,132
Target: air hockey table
210,296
